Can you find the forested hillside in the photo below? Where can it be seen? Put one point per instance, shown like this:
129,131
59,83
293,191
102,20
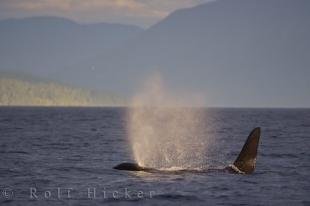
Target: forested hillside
15,92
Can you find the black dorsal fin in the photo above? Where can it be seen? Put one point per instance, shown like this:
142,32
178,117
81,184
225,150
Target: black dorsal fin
246,160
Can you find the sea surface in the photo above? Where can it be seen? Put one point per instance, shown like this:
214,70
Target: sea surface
46,153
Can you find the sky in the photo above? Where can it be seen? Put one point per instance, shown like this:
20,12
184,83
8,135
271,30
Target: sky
143,13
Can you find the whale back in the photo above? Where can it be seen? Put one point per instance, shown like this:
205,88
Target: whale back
128,166
244,164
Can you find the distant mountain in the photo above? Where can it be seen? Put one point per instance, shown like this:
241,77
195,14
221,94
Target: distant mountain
45,46
24,90
241,53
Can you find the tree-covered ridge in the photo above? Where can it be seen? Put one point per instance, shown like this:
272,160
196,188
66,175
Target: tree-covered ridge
20,92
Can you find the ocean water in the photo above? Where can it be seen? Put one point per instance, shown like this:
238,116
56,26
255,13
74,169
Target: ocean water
46,153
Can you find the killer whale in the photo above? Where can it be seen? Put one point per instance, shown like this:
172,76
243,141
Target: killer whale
244,164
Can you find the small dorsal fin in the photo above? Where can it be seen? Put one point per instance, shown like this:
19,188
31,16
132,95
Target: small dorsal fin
246,160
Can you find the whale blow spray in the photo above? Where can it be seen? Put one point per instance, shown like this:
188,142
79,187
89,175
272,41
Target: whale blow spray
163,132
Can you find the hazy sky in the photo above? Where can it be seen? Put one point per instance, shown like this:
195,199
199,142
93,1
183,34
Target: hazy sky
138,12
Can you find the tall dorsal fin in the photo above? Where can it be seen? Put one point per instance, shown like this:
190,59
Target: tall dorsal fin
246,160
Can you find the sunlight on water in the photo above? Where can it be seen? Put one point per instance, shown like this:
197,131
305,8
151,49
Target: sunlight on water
162,132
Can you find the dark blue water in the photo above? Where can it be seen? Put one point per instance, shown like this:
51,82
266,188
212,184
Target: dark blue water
45,151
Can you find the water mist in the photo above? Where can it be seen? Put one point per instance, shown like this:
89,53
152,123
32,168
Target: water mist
163,132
